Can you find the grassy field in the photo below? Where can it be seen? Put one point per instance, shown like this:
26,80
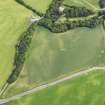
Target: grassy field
87,89
42,6
13,21
51,56
39,5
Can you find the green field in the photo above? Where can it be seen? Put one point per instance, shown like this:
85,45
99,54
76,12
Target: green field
39,5
13,21
90,4
88,89
51,55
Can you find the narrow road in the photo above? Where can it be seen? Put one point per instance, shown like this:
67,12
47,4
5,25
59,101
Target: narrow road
3,101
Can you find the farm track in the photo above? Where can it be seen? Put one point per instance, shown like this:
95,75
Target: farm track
15,97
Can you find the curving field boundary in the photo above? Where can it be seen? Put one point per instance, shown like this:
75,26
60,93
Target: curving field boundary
15,97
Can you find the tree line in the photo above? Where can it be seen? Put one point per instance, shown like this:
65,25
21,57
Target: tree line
73,11
102,3
102,13
51,15
29,7
53,12
68,24
21,51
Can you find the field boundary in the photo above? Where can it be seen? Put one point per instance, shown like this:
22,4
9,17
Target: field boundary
79,73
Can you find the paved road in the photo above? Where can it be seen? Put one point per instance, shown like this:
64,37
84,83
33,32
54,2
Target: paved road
2,101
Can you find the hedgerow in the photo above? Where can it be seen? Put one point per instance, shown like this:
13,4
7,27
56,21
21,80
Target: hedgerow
20,54
68,24
29,7
73,11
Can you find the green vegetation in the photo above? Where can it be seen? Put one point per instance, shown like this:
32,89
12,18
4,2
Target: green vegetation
28,7
102,3
90,4
39,5
20,54
53,12
54,54
51,15
68,24
73,11
87,89
25,41
13,21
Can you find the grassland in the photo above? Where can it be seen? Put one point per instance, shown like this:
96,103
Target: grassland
90,4
51,56
13,21
39,5
87,89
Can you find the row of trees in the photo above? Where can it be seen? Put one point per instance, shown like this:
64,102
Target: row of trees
53,10
25,40
20,54
51,15
29,7
102,3
67,25
73,11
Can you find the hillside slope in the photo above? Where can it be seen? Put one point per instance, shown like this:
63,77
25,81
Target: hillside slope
84,90
51,56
